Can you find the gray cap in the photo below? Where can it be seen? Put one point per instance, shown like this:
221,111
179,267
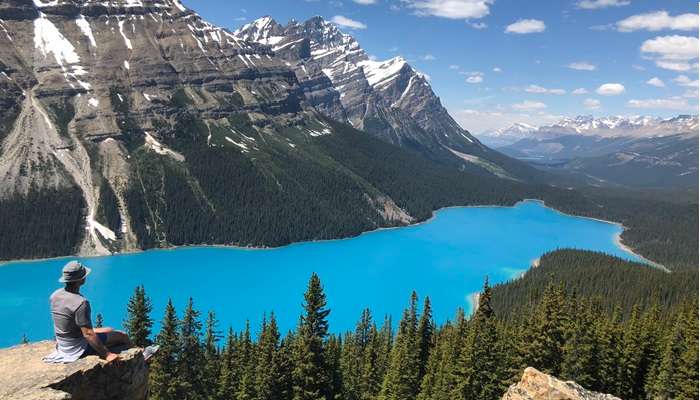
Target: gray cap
73,272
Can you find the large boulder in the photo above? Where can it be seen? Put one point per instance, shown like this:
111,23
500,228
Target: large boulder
23,375
536,385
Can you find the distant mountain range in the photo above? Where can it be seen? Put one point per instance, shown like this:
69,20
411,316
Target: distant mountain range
630,151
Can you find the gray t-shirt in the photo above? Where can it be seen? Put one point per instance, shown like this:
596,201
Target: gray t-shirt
70,312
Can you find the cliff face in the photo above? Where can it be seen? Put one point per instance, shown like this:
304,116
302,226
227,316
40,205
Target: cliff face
25,376
535,385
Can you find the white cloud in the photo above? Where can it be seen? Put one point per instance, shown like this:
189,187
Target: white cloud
497,69
595,4
452,9
659,20
674,103
675,65
346,22
582,66
454,67
610,89
674,47
524,26
428,57
475,77
673,52
682,80
591,104
365,2
529,105
580,91
478,25
656,82
691,94
543,90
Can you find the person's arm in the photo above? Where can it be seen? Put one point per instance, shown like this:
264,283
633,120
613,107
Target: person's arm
84,321
92,339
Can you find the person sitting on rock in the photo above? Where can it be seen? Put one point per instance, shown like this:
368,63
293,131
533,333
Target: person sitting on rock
72,324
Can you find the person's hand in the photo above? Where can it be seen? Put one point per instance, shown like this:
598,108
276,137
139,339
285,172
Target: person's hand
111,357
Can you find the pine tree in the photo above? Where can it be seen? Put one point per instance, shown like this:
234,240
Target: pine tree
351,366
332,355
268,368
191,361
401,379
434,384
631,354
164,372
687,375
228,371
677,373
310,378
352,362
580,353
386,344
285,361
543,338
246,385
609,336
372,371
99,321
479,374
138,322
652,342
212,363
425,338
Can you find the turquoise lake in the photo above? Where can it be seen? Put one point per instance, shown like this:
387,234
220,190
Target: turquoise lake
446,258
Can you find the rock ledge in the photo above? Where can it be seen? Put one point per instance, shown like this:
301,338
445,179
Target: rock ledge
535,385
23,375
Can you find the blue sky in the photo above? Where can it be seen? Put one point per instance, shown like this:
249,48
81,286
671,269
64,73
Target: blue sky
495,62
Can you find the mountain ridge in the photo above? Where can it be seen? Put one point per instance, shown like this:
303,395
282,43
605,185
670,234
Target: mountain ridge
388,99
137,124
635,151
612,126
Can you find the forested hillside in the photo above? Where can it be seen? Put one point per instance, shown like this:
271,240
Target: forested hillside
662,226
653,352
616,285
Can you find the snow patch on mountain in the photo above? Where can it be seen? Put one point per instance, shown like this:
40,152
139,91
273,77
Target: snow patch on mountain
49,40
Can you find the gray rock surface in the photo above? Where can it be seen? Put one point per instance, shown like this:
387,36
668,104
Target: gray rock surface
535,385
24,376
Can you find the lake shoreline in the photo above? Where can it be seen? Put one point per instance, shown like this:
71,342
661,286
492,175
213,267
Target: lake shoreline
617,239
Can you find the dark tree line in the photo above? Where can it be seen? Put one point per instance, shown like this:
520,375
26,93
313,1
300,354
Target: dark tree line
612,281
662,226
648,355
46,223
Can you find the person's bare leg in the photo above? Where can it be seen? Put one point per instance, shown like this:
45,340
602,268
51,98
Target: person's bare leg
104,329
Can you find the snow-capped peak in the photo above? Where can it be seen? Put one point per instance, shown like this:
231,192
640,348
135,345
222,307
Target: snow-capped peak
379,73
260,30
618,125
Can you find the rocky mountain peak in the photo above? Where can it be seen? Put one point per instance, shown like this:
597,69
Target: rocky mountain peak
386,98
260,30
